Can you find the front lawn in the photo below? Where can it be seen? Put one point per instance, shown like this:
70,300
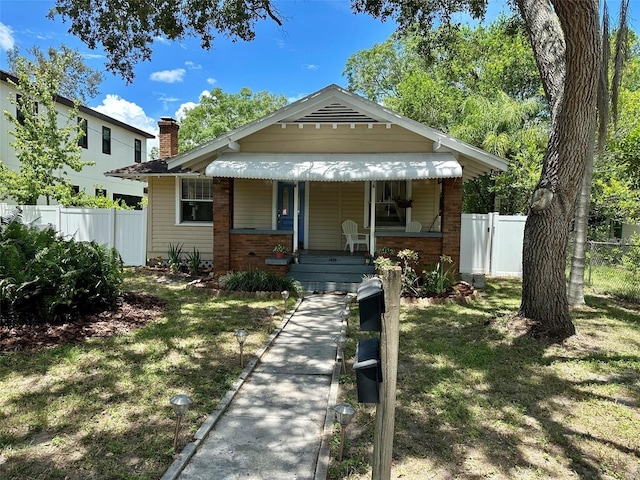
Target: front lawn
100,409
478,398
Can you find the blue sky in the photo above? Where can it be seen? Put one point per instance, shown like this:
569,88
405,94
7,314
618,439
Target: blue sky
308,53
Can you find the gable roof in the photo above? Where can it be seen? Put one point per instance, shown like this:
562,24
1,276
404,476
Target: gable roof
332,105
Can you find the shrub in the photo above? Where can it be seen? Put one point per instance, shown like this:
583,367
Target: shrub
259,281
174,255
193,261
46,278
441,278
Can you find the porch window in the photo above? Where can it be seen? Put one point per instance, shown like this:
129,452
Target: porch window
196,200
387,197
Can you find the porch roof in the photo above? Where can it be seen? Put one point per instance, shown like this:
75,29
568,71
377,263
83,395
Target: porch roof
335,167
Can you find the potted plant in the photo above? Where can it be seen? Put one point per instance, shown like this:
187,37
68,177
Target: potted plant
280,250
404,202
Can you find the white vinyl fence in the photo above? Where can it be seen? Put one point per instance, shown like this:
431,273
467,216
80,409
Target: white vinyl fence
126,230
491,244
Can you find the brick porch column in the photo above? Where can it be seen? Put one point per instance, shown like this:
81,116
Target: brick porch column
221,225
452,219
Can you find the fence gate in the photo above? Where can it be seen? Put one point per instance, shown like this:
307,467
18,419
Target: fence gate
491,244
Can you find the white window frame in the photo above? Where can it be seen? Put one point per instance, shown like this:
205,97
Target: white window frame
367,207
179,200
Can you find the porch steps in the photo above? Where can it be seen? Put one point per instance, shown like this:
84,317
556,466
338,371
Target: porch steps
330,271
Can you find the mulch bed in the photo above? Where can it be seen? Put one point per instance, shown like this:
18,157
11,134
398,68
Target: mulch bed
461,292
134,311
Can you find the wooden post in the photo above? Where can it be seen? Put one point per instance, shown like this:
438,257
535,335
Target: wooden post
389,339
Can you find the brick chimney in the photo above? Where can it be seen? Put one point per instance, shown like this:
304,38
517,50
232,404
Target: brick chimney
168,137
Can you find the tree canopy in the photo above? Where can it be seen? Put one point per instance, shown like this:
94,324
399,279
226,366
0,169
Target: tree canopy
219,112
127,30
45,137
460,88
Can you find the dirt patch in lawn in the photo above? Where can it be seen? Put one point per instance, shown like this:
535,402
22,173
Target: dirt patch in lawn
134,310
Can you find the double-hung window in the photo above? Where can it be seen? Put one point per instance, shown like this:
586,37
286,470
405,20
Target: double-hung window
195,200
137,150
390,198
83,138
106,140
24,103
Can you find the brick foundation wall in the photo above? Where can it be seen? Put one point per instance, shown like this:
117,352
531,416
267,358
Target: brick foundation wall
428,248
261,245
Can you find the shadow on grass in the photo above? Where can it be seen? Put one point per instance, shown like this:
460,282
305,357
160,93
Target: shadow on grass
476,399
101,409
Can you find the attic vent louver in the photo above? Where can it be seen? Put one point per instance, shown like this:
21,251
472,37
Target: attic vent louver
336,113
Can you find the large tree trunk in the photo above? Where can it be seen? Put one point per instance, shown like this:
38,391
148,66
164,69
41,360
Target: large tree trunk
571,143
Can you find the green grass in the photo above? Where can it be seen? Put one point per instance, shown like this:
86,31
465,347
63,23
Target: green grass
613,280
478,398
101,409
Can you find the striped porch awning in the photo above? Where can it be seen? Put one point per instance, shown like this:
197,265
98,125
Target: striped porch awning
335,167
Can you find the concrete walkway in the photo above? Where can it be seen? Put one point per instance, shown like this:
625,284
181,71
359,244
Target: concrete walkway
273,427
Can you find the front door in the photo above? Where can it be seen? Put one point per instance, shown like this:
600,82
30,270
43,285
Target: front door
286,191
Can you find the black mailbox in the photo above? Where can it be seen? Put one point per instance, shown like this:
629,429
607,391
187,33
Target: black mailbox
371,304
368,370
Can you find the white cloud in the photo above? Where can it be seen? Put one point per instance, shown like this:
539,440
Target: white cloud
310,66
92,56
182,109
166,99
161,39
211,81
169,76
6,37
193,66
131,114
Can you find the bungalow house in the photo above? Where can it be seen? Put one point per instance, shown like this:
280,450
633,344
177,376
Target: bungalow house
294,176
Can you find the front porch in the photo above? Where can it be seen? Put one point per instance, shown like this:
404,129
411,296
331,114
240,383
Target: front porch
330,271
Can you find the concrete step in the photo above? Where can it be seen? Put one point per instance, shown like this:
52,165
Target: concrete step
326,277
323,259
315,286
330,268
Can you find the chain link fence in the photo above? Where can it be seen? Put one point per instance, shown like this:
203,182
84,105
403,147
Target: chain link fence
614,268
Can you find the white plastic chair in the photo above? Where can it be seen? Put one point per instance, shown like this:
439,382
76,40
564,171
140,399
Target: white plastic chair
414,227
350,231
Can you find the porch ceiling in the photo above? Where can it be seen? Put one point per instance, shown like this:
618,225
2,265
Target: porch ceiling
335,167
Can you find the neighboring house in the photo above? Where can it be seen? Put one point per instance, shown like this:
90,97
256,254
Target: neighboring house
108,142
294,176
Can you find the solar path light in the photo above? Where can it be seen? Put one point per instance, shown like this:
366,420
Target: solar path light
241,337
285,295
341,342
344,414
271,310
180,404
